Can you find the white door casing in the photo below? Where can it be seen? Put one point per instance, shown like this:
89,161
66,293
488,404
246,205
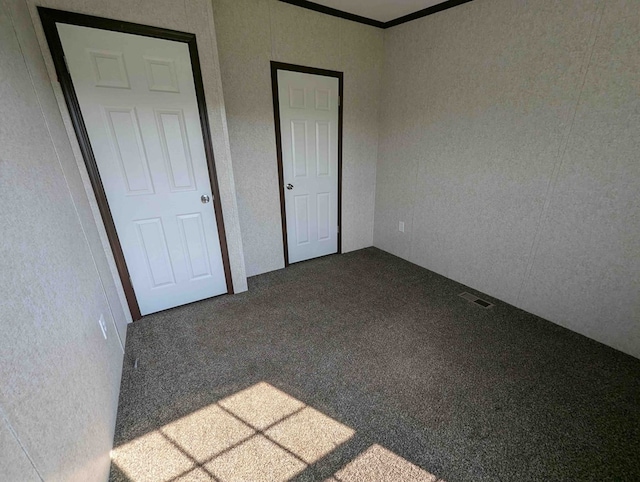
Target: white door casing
309,118
138,101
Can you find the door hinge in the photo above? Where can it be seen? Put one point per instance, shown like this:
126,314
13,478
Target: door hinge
338,230
339,100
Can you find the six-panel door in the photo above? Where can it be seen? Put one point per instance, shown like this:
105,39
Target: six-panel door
138,101
309,110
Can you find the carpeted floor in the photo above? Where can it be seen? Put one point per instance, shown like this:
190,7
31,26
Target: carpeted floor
364,367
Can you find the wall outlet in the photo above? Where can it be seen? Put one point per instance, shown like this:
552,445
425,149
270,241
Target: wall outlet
103,326
401,226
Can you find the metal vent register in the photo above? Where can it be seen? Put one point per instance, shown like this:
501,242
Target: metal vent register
474,299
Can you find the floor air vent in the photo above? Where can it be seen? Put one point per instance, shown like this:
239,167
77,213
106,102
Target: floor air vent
475,299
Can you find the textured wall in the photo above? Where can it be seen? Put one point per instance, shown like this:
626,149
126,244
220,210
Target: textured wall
60,379
188,16
250,34
509,147
14,463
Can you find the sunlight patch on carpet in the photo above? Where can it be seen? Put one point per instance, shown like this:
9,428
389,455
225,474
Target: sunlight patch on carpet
257,434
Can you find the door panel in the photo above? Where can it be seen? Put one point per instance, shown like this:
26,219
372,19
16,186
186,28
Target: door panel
138,101
323,148
155,252
303,235
299,148
175,149
124,130
195,245
324,216
309,117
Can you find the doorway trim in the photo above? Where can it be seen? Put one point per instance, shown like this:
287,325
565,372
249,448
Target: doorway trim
49,17
275,66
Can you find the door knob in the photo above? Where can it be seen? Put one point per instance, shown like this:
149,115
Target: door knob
205,198
289,187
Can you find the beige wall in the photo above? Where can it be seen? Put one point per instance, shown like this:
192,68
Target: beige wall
250,34
509,147
14,463
60,379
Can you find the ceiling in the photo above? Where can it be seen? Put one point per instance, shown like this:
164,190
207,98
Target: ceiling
380,10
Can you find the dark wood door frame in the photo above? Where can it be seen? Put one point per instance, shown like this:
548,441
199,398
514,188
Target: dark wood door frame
49,18
275,66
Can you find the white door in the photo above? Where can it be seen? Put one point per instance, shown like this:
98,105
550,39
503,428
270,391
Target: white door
309,106
138,101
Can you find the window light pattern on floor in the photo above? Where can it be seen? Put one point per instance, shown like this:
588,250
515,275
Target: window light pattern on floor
257,434
382,465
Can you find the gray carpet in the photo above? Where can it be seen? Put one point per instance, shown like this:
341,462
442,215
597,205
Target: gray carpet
388,350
